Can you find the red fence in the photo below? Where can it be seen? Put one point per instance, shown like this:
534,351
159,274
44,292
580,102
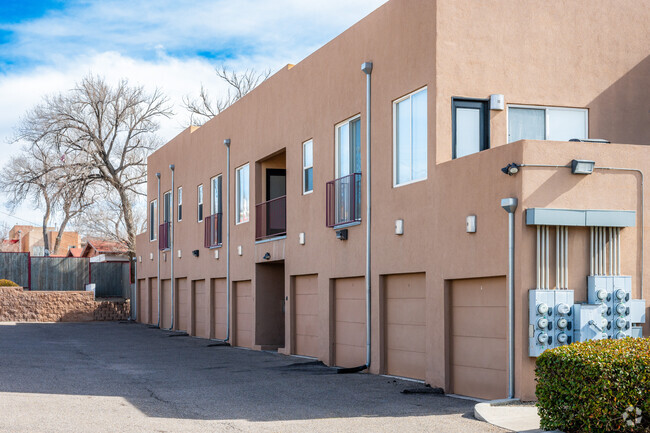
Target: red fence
271,218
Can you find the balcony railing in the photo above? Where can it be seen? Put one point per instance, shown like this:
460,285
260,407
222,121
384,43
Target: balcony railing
271,218
212,231
163,236
343,200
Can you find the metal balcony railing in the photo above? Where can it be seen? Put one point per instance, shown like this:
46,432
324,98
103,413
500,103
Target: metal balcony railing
271,218
164,241
343,197
213,231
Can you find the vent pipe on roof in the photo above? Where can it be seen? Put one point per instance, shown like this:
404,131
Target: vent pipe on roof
225,341
367,69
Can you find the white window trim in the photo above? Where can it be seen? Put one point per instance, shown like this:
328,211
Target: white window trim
336,142
199,202
179,204
153,230
212,194
311,140
397,101
545,108
237,194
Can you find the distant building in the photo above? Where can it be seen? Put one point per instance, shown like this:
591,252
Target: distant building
23,238
100,250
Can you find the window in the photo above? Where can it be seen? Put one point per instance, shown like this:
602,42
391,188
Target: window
199,206
243,202
167,207
410,138
153,227
348,147
180,203
547,123
215,201
470,127
308,167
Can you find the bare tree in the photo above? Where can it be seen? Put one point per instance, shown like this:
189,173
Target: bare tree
204,107
108,132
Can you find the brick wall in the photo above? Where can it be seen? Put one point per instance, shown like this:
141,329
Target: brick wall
17,305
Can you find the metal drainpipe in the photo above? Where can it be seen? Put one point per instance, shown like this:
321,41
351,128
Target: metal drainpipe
366,67
134,294
171,246
510,205
158,237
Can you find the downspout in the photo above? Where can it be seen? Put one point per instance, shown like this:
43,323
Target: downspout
134,295
158,237
171,245
225,341
366,67
510,205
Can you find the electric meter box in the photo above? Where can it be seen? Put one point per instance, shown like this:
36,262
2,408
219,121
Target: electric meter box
551,319
590,322
614,293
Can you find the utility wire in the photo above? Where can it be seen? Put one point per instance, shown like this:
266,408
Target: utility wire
19,218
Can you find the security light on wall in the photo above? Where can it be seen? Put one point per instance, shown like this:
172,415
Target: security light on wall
582,166
511,169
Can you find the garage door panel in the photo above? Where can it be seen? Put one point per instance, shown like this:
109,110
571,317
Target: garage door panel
307,284
479,382
350,322
244,314
153,293
143,301
478,337
349,356
201,310
306,304
477,352
219,307
307,345
406,311
166,301
351,333
406,286
348,310
306,324
479,321
405,363
406,337
184,304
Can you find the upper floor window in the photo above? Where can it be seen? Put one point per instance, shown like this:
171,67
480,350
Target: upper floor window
308,167
180,203
215,195
153,227
348,147
410,138
470,126
547,123
167,208
199,207
242,206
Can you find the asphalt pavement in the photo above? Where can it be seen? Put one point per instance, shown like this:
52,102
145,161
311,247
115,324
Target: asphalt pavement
112,377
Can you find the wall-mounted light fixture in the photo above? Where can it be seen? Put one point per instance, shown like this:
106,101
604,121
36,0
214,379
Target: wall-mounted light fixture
511,169
342,235
301,238
582,166
267,256
399,227
195,253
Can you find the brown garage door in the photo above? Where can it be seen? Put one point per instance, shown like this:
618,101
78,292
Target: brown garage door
478,337
219,307
184,305
243,314
201,314
153,295
166,307
143,301
306,315
350,322
405,325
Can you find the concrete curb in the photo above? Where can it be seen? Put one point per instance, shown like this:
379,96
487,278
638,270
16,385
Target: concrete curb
509,415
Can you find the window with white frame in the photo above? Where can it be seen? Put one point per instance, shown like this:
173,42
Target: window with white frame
410,138
547,123
167,207
180,203
348,147
152,220
308,167
215,195
242,205
199,206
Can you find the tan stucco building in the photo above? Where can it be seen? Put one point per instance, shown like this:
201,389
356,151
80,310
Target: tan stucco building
439,236
30,239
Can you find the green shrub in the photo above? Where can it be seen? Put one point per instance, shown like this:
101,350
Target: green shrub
595,386
7,283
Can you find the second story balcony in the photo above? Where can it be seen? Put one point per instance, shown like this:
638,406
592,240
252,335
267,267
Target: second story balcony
164,239
271,218
343,200
212,236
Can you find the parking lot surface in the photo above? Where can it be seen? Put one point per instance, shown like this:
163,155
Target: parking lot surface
111,377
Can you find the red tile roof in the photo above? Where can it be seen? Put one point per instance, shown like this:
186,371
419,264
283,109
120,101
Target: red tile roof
107,247
75,252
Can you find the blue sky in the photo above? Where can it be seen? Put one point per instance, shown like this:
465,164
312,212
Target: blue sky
48,45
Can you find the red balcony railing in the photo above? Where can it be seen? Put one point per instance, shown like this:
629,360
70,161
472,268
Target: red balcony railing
163,236
271,218
343,200
212,231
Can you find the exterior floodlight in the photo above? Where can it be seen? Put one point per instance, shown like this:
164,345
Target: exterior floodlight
267,256
582,166
511,169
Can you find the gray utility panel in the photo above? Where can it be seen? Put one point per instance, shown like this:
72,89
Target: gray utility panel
550,319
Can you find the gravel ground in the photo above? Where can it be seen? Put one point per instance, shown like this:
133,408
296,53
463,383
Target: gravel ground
110,377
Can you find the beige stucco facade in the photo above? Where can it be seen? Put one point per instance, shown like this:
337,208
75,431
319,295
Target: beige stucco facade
438,293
